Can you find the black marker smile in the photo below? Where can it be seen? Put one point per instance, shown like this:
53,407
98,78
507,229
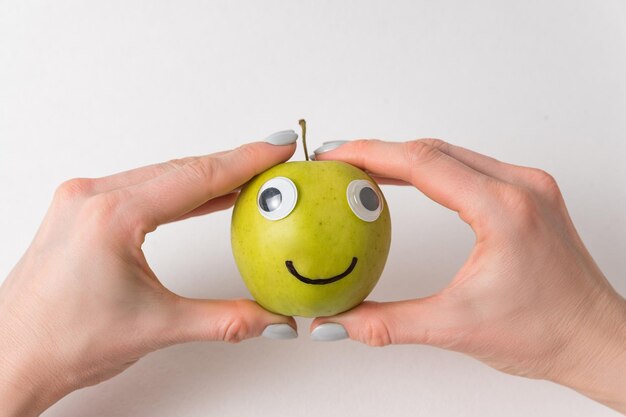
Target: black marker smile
321,281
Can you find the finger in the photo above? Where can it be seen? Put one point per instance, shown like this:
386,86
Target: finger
422,321
171,195
217,204
441,177
531,178
218,320
141,174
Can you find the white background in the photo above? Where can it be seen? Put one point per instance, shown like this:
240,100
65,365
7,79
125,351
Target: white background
91,88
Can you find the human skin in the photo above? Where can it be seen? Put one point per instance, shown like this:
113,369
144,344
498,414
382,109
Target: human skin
82,304
529,301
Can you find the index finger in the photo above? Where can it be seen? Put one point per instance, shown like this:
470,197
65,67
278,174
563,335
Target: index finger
439,176
179,191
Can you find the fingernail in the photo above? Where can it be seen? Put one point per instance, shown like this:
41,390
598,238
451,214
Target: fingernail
312,157
279,332
329,332
329,146
284,137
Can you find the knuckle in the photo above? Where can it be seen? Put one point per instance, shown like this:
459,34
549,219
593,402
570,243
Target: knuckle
235,327
544,183
74,189
172,165
104,216
100,210
418,152
375,333
249,153
202,169
374,330
519,204
234,330
436,143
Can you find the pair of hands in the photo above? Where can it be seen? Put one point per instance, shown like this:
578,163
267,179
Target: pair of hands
82,304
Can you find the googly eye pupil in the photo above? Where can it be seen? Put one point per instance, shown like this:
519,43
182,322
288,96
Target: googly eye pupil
270,199
276,198
364,200
369,199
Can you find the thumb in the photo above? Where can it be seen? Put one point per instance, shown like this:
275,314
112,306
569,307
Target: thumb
223,320
422,321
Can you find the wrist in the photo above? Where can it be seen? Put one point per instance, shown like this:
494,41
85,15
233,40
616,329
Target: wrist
593,362
28,384
16,399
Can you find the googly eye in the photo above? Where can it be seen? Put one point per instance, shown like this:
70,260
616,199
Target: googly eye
364,200
277,198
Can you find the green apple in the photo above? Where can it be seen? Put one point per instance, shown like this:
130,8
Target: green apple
311,238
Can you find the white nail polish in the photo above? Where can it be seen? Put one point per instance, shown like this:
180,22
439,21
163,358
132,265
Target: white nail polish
279,332
329,332
284,137
329,146
312,157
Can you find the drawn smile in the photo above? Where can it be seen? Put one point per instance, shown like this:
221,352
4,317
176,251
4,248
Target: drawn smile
320,281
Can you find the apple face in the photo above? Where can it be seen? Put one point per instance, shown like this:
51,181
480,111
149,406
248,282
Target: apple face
311,238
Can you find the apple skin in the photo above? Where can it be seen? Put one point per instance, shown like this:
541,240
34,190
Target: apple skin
320,236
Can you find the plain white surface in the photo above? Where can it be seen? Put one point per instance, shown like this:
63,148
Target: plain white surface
91,88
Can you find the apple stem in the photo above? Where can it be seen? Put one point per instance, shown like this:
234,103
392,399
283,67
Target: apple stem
302,123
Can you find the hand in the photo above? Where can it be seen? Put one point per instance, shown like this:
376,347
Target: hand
82,304
529,301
